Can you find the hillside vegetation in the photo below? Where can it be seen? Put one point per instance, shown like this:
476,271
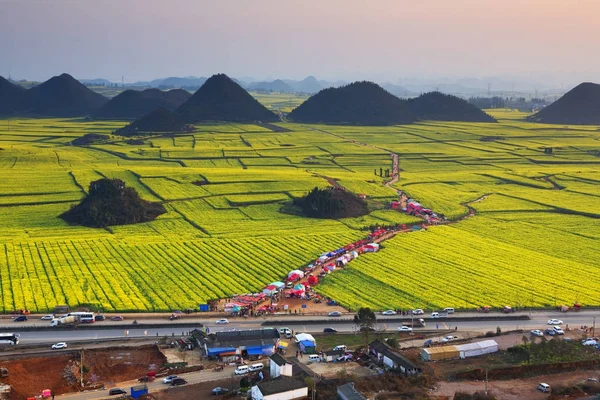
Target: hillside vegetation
222,99
436,106
109,203
135,104
159,120
331,203
579,106
359,103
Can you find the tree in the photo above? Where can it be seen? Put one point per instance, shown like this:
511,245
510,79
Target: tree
366,321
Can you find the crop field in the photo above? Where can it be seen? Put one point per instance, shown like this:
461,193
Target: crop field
532,242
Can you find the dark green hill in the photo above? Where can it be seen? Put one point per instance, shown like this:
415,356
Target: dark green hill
359,103
62,96
135,104
331,203
436,106
221,99
160,120
110,203
11,97
579,106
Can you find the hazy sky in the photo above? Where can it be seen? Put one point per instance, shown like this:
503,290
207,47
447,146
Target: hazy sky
331,39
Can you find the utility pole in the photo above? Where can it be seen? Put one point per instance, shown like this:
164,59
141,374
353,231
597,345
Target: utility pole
81,369
122,81
489,89
486,381
594,328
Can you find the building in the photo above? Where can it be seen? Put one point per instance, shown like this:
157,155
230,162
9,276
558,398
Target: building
306,343
459,351
232,345
392,359
348,392
279,366
282,388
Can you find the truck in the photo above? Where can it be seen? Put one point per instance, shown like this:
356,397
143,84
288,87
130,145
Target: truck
64,320
137,391
415,323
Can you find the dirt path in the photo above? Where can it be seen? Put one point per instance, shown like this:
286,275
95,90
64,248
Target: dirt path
515,389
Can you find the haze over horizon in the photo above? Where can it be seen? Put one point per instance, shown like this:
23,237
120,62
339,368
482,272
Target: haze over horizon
389,40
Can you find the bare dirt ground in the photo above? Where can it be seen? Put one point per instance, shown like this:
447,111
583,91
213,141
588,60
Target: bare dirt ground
28,377
515,389
176,355
330,370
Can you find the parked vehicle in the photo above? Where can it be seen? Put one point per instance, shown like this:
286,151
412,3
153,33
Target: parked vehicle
314,358
99,317
242,369
550,332
169,379
537,332
589,342
344,358
117,318
60,345
219,390
47,317
329,330
449,310
449,338
222,321
335,314
418,311
389,312
178,382
558,330
116,391
64,320
544,387
340,347
20,318
555,322
404,328
256,367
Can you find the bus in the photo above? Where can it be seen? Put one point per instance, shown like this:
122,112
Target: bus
84,317
13,337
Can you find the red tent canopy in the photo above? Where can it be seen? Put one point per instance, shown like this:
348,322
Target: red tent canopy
312,280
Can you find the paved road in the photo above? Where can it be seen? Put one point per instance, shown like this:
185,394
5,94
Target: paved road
314,324
192,378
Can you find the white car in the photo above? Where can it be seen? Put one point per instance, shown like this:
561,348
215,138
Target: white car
335,314
47,318
559,330
418,311
57,346
169,379
554,322
449,338
589,342
389,312
404,329
537,332
222,321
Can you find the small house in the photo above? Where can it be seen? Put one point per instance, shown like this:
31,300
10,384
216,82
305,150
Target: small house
282,388
331,355
279,366
392,359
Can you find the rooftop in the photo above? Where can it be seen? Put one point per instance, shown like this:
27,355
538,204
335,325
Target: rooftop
388,352
279,360
281,384
347,392
244,337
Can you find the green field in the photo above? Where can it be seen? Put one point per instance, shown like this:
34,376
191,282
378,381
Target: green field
533,240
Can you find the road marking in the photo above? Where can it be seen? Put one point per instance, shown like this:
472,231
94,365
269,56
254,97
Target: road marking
446,326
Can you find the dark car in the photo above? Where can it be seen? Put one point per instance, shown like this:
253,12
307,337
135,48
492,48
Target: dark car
20,318
178,382
116,318
330,330
219,390
99,318
428,343
550,332
116,391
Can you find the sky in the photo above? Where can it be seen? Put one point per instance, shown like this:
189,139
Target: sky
382,40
